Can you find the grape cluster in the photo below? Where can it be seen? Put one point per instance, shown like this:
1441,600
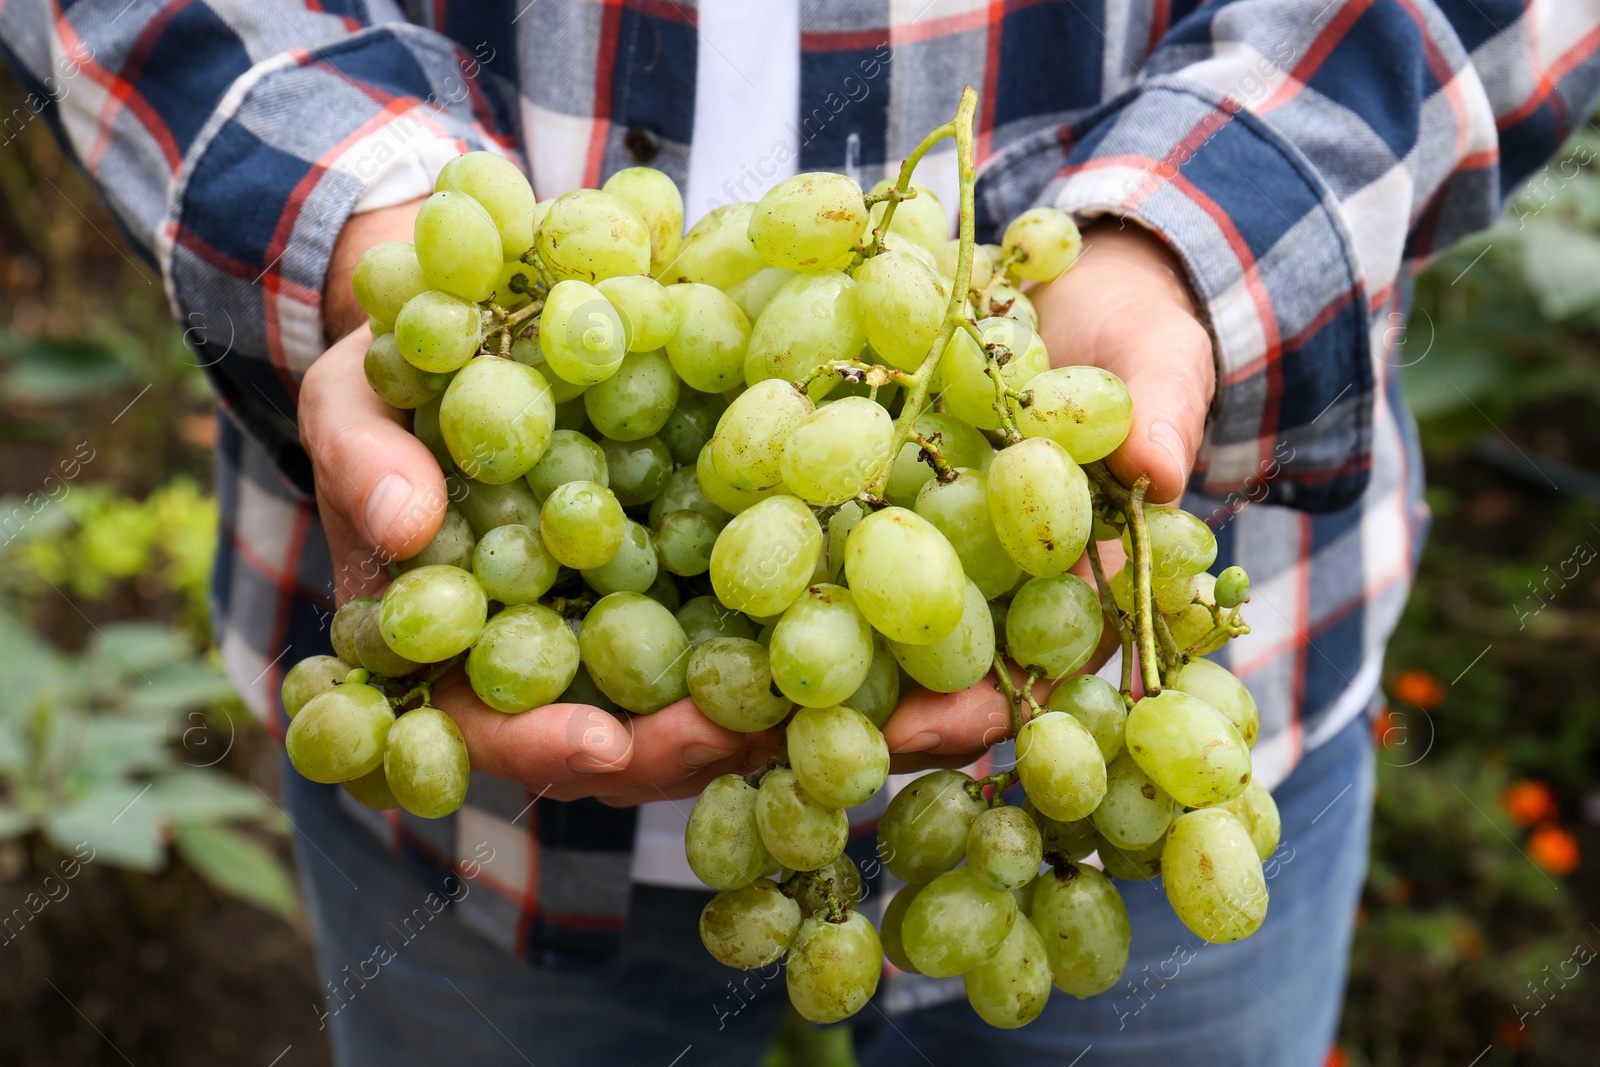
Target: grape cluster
790,464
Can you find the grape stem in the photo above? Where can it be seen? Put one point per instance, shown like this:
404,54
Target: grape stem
855,371
995,357
755,777
423,686
1021,712
1001,783
1143,611
1116,616
1170,654
933,457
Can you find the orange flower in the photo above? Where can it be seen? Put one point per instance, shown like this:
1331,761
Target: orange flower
1386,728
1418,688
1528,802
1335,1058
1554,849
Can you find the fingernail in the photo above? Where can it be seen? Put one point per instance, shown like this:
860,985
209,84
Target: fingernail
702,755
584,763
926,741
384,506
1165,436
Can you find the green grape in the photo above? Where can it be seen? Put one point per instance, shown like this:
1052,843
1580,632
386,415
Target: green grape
664,591
372,790
509,292
747,447
894,915
1217,686
588,235
584,691
688,429
1193,623
683,493
923,832
959,509
1011,988
385,277
1044,241
1258,813
837,451
902,306
821,648
396,381
453,545
719,492
339,734
1132,864
1213,876
833,968
1012,303
921,219
956,923
526,351
638,469
684,540
716,250
570,414
1060,766
582,524
763,560
730,681
1096,703
496,184
525,658
1189,748
704,617
840,523
906,578
839,757
632,569
801,833
721,841
961,445
808,221
1085,410
458,246
756,292
878,695
1084,924
426,763
960,658
1170,595
812,320
947,258
437,332
311,677
486,506
1233,588
964,386
654,196
1063,841
1004,848
649,316
497,417
1180,544
636,652
1054,624
432,613
841,878
374,653
425,427
634,402
708,349
1136,811
1039,501
581,334
750,926
342,629
570,457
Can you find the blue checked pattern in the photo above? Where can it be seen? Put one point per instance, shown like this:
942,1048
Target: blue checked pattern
1302,158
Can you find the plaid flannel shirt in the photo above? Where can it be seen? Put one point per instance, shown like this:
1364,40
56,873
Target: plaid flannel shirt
1302,157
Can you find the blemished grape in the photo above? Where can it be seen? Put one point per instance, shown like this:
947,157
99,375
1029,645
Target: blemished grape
964,386
906,578
1188,747
1085,410
634,402
636,652
1010,988
1218,687
961,657
588,236
425,763
1060,766
837,450
437,332
755,292
750,926
487,507
433,613
716,250
747,447
833,968
1233,588
1054,624
1062,840
1010,302
500,188
1213,875
1046,243
372,790
960,511
514,288
1004,848
582,524
708,348
821,648
497,417
962,446
800,832
311,677
649,316
632,569
400,384
894,914
838,756
923,832
638,470
902,305
1096,703
764,558
956,922
342,629
525,658
458,246
1136,811
1039,501
725,496
374,653
879,692
684,540
1131,864
1258,812
569,457
1084,924
526,351
453,545
704,617
385,277
921,219
808,221
721,840
730,681
581,334
841,879
657,200
688,429
1180,544
340,733
813,319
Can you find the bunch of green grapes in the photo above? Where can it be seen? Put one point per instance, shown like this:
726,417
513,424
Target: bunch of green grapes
790,465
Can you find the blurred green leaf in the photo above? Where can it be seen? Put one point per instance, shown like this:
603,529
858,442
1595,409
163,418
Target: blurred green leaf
1561,267
14,822
137,647
195,795
51,371
173,688
116,822
1450,379
234,863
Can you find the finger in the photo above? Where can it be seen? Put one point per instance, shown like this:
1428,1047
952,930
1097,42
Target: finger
358,568
370,470
949,724
690,786
545,747
1169,374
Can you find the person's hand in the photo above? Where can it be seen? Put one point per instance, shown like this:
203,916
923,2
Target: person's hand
1125,307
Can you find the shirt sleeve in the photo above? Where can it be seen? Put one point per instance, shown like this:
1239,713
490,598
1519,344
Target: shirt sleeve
1300,164
231,143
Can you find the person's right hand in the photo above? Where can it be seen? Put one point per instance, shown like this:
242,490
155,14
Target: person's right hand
381,496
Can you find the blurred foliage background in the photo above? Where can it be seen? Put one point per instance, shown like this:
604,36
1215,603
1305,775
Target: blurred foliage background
145,893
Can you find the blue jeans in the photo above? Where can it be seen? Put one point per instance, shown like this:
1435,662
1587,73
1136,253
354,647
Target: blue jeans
441,994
